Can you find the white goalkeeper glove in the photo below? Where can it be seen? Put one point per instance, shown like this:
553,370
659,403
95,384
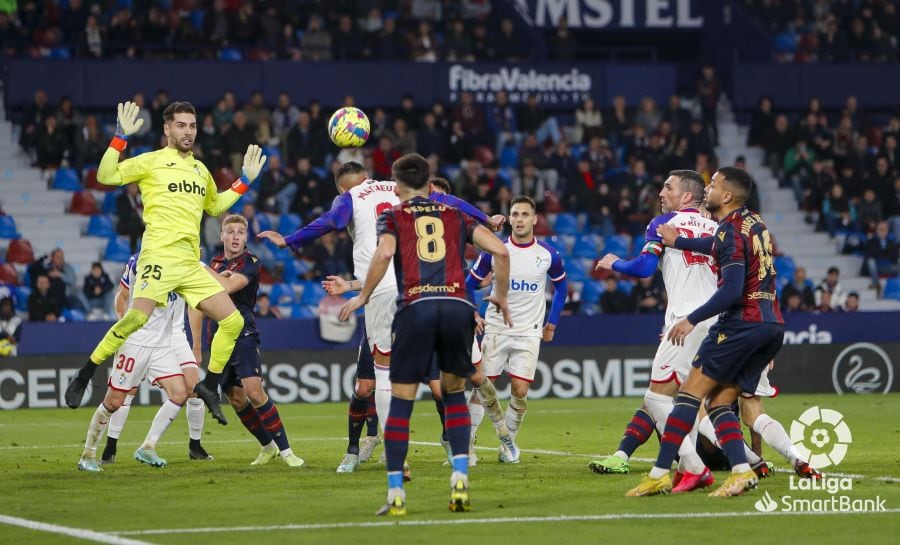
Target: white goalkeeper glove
253,163
128,122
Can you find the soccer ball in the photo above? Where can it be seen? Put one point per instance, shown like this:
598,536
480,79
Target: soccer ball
348,127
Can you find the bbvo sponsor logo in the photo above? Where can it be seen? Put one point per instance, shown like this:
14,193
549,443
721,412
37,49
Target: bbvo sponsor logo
862,368
522,285
187,187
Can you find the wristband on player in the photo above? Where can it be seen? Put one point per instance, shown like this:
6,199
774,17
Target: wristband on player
241,185
119,142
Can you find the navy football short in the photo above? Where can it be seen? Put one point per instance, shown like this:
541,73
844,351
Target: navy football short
365,363
434,372
737,352
441,327
245,362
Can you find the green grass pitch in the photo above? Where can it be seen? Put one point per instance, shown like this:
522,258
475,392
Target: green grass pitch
551,497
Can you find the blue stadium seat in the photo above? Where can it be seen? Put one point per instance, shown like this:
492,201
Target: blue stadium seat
288,223
617,244
73,315
271,151
109,203
892,288
575,271
197,19
559,245
784,266
313,292
60,53
321,172
282,294
591,291
117,249
626,286
301,311
288,270
8,227
22,293
585,246
101,225
567,224
230,54
66,179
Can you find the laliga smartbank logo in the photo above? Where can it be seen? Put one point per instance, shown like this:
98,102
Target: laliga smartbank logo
822,437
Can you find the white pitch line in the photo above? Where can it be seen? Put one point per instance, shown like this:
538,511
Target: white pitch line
499,520
80,533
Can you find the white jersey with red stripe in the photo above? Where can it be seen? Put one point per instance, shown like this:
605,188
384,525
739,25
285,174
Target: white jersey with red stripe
690,278
369,200
160,329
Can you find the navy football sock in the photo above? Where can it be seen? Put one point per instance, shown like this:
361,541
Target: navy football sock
439,406
371,416
458,426
396,439
728,432
250,419
678,425
356,418
271,420
637,432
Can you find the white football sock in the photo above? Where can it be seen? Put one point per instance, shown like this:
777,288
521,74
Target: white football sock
487,393
515,414
96,428
195,412
382,395
658,406
161,422
118,418
476,413
775,436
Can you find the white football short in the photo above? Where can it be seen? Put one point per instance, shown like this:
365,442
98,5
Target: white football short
379,314
133,363
764,388
476,352
183,354
518,356
673,362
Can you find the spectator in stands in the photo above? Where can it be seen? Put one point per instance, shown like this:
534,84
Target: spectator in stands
869,211
383,157
312,192
211,144
389,44
708,91
531,182
588,122
423,44
831,286
345,42
316,42
852,303
223,114
90,143
837,211
403,138
678,118
457,43
426,9
533,119
131,212
483,43
831,41
157,106
144,135
798,169
825,301
264,308
648,115
509,46
237,139
614,300
801,286
68,121
777,143
698,139
99,293
430,140
563,46
469,114
792,303
818,186
649,295
301,141
892,207
407,112
257,247
63,280
502,119
333,255
50,145
43,303
882,256
10,328
33,120
258,116
275,190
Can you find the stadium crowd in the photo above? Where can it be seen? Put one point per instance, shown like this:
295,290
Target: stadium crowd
830,30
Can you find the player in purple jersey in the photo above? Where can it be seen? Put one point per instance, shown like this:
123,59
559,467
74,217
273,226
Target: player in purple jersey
739,346
426,240
238,271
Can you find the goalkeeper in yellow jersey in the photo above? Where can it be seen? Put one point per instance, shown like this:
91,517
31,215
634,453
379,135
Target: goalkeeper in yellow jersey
176,189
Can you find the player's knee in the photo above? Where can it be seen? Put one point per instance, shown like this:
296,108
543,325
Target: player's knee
232,324
112,403
236,398
178,394
520,390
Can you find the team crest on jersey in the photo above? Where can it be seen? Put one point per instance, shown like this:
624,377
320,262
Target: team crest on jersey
197,170
144,285
538,261
721,338
722,236
121,378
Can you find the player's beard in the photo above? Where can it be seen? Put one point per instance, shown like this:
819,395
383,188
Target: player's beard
182,147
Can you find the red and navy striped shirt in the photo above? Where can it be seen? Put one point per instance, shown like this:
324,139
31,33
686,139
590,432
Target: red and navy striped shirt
431,244
743,239
244,299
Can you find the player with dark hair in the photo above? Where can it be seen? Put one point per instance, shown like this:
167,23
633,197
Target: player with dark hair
176,189
426,242
238,272
740,344
357,208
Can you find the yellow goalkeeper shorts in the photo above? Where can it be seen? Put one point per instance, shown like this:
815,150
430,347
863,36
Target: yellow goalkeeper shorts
156,277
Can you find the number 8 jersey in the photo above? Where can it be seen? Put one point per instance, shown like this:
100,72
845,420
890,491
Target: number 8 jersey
690,278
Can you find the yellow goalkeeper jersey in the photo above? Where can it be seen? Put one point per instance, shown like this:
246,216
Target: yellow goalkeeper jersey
175,192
